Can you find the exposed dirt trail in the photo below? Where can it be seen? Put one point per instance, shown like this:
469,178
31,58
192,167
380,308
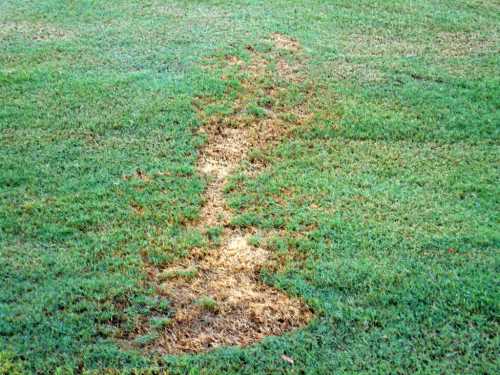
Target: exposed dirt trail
216,294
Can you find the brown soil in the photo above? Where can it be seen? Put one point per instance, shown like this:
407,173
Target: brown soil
216,293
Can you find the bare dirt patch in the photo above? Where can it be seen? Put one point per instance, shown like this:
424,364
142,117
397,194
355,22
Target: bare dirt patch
216,293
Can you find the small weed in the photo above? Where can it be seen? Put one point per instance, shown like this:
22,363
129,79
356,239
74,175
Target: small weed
160,322
187,273
256,111
288,117
257,155
207,303
218,110
265,101
214,234
9,365
146,340
255,240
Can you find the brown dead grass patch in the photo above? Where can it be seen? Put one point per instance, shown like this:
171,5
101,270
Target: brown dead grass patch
139,210
234,60
463,44
444,44
346,70
245,311
283,42
139,175
34,31
236,308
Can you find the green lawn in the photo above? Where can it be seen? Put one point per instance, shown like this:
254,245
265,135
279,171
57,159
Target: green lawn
382,211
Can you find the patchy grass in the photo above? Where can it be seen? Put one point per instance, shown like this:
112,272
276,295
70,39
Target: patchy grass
380,210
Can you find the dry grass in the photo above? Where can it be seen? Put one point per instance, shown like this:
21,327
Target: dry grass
465,44
243,309
444,44
34,31
283,42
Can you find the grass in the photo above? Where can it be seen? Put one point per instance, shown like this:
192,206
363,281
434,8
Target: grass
207,303
187,273
386,203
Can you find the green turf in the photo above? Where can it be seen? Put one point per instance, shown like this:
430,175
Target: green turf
386,202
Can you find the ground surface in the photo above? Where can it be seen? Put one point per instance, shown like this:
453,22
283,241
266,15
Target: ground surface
363,188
